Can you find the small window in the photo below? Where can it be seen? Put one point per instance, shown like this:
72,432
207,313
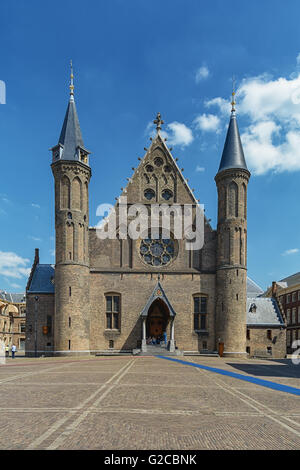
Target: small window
248,350
158,161
69,344
70,291
70,322
204,345
167,194
111,344
248,334
288,299
269,350
269,334
49,324
149,194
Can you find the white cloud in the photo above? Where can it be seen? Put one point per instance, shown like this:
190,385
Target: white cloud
37,206
292,251
200,168
180,134
202,73
298,59
36,239
270,108
207,123
15,286
12,265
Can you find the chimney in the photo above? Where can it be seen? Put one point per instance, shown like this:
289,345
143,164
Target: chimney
274,288
36,256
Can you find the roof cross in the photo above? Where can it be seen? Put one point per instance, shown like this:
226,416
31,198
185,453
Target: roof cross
158,121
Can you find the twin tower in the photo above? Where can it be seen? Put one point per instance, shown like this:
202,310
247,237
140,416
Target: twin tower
72,174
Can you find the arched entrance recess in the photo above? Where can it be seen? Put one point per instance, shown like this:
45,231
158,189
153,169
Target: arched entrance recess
158,315
157,319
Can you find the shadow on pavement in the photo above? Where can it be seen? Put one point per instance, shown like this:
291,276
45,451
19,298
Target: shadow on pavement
287,369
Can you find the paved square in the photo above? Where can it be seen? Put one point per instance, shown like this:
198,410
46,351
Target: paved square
147,403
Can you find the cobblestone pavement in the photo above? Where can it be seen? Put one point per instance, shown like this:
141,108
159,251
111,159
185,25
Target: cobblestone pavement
128,402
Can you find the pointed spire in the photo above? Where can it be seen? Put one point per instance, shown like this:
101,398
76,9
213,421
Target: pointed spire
70,137
233,154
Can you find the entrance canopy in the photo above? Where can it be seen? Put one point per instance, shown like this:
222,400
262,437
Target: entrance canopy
158,294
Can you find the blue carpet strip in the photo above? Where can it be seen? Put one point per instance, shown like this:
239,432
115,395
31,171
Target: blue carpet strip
246,378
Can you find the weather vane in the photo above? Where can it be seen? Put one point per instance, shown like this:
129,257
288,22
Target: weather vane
233,95
71,82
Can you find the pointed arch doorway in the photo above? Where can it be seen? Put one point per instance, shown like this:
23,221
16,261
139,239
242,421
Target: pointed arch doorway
158,318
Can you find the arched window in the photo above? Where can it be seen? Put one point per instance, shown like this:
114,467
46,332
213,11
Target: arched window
76,194
244,190
65,193
233,199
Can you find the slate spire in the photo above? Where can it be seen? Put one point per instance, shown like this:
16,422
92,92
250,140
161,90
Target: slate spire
70,144
233,155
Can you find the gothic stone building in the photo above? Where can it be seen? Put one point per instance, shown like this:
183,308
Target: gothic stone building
113,294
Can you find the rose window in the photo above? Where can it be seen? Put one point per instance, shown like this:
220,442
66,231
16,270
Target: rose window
157,252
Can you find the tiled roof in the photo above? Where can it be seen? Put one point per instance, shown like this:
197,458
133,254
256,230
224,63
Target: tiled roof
13,298
266,312
253,289
291,280
42,280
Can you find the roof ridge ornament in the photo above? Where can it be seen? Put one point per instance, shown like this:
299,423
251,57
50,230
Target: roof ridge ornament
158,121
71,82
233,103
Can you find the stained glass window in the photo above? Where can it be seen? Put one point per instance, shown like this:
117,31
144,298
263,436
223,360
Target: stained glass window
157,252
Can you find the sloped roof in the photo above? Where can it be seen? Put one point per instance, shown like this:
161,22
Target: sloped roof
291,280
70,136
158,293
233,154
42,279
13,298
267,312
253,290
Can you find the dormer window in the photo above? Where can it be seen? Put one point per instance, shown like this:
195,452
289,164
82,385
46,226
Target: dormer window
83,156
252,308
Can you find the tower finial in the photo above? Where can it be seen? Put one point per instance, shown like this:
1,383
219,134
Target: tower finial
158,121
233,95
71,82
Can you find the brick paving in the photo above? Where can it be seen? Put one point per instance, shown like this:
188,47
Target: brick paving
142,403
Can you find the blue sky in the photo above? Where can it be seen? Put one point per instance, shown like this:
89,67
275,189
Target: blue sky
132,59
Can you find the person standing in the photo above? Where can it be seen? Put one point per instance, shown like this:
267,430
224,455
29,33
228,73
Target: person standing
13,351
7,351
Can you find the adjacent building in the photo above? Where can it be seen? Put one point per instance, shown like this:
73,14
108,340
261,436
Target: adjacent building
13,320
288,293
